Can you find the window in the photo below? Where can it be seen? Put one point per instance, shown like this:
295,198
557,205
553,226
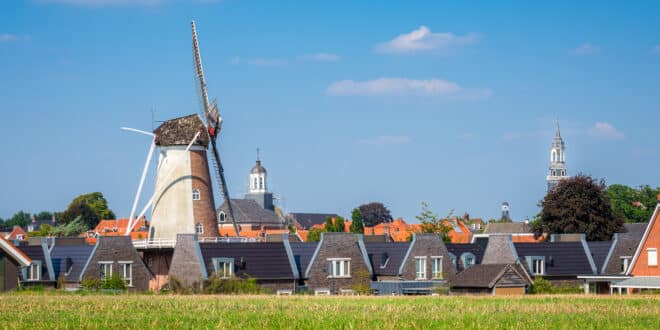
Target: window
625,262
106,269
339,267
653,256
199,228
255,183
468,260
196,195
19,237
436,267
223,216
34,271
127,272
453,259
261,183
536,265
224,267
420,268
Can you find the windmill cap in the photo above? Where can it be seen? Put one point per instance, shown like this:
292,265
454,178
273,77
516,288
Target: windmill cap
180,131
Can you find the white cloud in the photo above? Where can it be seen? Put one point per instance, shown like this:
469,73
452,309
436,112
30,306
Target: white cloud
423,40
270,62
404,86
587,49
656,50
384,140
605,130
322,57
103,3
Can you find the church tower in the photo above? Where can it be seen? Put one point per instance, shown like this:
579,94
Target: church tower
557,161
258,189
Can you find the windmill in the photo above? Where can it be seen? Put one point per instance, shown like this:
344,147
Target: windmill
213,124
183,197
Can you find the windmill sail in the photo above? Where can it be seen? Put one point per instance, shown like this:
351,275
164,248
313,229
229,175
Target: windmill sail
213,121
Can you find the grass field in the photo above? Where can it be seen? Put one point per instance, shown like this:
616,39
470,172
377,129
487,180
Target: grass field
265,312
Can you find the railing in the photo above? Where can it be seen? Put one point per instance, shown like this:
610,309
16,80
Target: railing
229,240
154,243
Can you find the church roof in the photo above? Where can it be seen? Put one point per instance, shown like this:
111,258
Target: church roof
180,131
258,168
248,211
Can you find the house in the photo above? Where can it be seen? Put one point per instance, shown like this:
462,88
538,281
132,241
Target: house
40,270
520,232
249,215
35,224
340,263
115,255
271,264
68,258
400,231
118,227
12,260
305,221
16,234
644,267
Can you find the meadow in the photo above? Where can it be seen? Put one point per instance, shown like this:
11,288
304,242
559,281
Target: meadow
49,310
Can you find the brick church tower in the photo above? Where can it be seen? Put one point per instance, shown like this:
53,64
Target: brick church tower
183,199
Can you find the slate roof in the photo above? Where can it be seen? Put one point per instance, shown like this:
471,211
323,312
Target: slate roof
386,258
70,260
507,228
180,131
624,246
599,251
635,227
302,254
36,252
248,211
307,220
500,250
561,258
262,260
458,249
486,276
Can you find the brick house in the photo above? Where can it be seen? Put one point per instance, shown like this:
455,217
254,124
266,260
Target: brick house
115,255
11,261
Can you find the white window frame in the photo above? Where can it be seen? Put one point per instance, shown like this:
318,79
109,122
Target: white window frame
625,263
538,263
420,268
34,271
652,254
224,267
105,269
339,267
436,267
196,195
127,267
199,228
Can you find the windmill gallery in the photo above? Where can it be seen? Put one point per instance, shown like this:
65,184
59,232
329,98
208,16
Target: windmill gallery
190,240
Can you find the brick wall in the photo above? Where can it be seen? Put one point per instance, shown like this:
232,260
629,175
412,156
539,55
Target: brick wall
338,245
641,266
116,249
428,245
203,209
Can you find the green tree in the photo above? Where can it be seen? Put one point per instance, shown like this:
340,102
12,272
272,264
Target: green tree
314,234
71,229
432,224
20,218
357,226
633,204
579,205
44,215
336,226
92,207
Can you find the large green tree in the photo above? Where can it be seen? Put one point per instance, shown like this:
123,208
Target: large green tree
357,225
432,224
579,205
633,204
91,207
20,218
374,213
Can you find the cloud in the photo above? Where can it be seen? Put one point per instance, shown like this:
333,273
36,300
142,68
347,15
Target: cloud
656,50
384,140
268,62
403,87
605,130
423,40
321,57
587,49
105,3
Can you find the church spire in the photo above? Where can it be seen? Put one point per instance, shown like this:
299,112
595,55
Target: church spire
557,160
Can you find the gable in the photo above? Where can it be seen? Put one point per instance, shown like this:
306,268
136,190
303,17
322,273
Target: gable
651,240
510,278
14,253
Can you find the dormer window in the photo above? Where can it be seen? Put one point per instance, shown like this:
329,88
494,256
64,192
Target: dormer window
199,228
468,260
196,195
224,267
536,265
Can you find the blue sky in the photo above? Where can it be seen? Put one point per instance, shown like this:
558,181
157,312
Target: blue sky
349,102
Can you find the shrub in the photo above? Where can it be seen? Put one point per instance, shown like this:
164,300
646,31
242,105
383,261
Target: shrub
114,282
543,286
233,285
61,282
90,283
363,284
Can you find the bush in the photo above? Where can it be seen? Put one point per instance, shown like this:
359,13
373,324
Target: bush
233,285
90,283
543,286
114,282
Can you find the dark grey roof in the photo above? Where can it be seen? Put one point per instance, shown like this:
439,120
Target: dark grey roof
635,227
624,246
499,250
307,220
280,237
180,131
386,258
248,211
561,258
262,260
458,249
486,276
599,251
302,254
507,228
35,252
69,260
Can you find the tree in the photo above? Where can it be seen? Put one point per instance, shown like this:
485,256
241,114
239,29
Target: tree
71,229
20,218
92,207
357,226
336,226
633,204
314,234
374,213
431,224
44,215
579,205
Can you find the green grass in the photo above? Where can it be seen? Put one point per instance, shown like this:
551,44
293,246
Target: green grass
49,310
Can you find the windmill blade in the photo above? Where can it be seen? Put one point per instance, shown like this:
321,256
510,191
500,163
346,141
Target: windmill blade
211,119
223,186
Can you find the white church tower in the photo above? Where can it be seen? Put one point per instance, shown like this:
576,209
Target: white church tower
557,161
258,188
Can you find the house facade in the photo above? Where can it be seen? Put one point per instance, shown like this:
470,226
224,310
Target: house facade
11,261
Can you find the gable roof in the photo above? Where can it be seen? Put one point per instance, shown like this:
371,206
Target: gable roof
488,275
307,220
386,258
647,231
262,260
180,131
561,258
623,245
248,211
507,228
69,260
14,252
599,251
500,250
15,232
